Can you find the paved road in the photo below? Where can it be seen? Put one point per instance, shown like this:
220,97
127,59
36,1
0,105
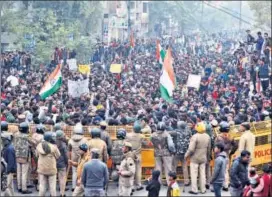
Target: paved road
112,191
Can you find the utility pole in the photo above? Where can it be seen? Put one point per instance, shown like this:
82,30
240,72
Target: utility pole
240,22
129,24
202,9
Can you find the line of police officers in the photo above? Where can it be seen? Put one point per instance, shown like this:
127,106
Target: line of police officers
125,153
41,147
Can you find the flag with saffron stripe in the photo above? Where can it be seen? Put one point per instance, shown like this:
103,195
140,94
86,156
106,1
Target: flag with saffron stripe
167,79
52,84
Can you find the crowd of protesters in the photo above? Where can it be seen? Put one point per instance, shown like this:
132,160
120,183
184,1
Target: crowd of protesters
225,91
235,89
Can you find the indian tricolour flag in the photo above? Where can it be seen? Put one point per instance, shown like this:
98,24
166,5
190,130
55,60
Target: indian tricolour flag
160,53
52,84
167,80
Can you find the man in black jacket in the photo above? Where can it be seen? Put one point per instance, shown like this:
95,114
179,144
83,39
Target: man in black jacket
154,184
239,174
8,154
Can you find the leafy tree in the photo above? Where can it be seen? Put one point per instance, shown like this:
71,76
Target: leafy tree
262,12
50,24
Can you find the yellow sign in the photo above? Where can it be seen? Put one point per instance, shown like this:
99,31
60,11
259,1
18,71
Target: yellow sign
244,60
84,69
116,68
262,154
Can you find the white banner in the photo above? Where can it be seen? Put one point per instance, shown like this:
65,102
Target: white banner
77,88
14,81
72,63
194,81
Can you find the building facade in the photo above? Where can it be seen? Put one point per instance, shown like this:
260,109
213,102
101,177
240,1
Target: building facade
116,15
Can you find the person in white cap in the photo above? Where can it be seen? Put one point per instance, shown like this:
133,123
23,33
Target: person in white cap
127,171
73,146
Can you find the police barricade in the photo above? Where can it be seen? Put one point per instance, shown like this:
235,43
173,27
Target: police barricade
263,148
262,152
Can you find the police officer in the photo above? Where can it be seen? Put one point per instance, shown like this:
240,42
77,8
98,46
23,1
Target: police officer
136,140
47,153
84,158
4,126
37,138
117,147
127,171
105,136
73,146
57,127
163,149
230,147
198,151
182,135
8,154
22,150
96,142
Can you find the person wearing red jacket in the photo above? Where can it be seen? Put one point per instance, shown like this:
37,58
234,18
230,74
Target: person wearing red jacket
262,189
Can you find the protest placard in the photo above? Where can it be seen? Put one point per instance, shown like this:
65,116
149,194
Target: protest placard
72,63
77,88
116,68
84,69
194,81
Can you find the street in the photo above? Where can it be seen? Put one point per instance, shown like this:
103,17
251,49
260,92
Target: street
113,191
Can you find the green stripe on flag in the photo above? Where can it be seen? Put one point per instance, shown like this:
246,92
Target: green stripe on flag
52,90
162,56
164,94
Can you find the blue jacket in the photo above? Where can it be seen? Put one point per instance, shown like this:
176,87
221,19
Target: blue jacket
95,174
239,174
259,43
219,169
10,158
264,71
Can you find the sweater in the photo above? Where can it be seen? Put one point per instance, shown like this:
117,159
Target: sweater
95,174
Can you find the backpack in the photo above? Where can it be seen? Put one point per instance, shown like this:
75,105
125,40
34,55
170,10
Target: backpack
21,146
3,175
116,152
182,143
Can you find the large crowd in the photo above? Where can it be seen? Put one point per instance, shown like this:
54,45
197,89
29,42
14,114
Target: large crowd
235,89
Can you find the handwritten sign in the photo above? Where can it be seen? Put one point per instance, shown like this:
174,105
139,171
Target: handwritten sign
194,81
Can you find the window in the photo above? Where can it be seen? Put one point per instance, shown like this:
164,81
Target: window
137,16
106,15
132,5
145,7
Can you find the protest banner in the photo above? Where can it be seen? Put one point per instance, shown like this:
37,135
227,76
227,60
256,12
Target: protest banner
116,68
194,81
84,69
14,81
72,63
77,88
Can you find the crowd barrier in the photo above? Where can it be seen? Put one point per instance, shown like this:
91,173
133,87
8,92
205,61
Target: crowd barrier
262,152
